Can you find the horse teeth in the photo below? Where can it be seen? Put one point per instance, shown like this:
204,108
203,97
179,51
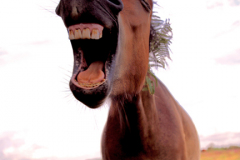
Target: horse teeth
78,34
86,33
71,35
95,34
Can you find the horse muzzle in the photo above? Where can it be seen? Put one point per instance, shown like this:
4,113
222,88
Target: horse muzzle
93,30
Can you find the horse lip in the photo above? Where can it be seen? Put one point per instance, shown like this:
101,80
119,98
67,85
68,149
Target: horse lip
74,81
82,26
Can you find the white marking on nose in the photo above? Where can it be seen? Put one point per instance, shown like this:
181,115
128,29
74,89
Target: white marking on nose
74,12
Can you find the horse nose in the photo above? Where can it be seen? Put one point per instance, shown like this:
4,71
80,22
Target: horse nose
112,6
79,6
115,4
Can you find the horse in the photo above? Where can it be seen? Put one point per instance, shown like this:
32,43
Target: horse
111,48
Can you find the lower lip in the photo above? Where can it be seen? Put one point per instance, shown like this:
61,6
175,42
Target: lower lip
73,80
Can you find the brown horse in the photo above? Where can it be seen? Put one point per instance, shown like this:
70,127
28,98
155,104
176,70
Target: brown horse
110,41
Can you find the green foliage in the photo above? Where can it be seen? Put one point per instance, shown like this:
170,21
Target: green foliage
161,35
213,148
160,39
150,85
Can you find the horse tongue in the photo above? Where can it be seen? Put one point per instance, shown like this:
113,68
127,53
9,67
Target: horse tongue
93,74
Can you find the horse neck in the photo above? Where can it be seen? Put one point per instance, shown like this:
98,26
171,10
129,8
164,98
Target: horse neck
133,118
131,63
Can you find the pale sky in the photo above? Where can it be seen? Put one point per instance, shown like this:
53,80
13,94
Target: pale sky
40,119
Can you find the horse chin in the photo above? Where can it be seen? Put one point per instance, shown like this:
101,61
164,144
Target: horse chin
88,53
93,98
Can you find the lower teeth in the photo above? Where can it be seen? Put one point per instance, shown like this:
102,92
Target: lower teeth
90,85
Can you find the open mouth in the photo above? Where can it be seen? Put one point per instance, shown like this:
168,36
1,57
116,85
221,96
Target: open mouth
93,30
92,49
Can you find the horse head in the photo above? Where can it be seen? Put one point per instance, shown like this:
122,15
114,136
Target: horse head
110,41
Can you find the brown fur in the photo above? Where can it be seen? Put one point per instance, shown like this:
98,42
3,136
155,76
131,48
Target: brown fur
145,126
141,125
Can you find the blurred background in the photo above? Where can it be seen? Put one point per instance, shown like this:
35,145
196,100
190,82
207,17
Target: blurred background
40,119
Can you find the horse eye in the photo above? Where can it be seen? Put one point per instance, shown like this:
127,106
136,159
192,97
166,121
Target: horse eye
146,5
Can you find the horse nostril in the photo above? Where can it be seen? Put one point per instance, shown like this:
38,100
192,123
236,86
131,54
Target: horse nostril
117,4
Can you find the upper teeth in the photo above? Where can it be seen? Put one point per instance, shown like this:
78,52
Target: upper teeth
85,33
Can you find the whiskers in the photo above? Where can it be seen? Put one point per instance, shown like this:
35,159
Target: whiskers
98,116
65,78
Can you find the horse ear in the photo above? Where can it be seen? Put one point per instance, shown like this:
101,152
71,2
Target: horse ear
57,10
